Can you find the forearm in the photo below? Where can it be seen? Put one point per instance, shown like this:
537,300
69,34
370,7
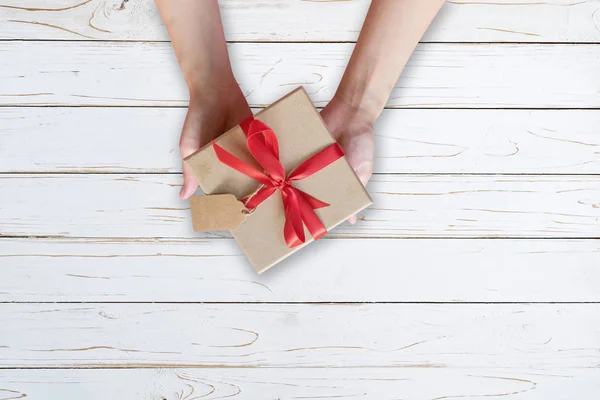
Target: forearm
197,36
389,35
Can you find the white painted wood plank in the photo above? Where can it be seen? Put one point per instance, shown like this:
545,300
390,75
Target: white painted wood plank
404,206
411,270
438,75
309,383
72,140
296,20
478,336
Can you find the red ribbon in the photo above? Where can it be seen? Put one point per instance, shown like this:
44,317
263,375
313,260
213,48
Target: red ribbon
299,206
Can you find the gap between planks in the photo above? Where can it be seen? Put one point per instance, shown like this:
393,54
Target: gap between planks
322,303
330,236
261,106
304,42
501,174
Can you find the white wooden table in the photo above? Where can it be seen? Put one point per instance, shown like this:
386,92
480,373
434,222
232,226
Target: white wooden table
476,274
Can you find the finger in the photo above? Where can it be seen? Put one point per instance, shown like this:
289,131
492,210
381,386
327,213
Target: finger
189,183
189,144
364,171
352,219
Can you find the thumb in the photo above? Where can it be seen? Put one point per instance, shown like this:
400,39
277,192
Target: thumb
189,183
189,144
364,171
187,148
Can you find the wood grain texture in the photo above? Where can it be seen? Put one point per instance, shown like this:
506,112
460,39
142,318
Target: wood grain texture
478,336
296,20
38,140
306,383
137,306
125,205
408,270
438,75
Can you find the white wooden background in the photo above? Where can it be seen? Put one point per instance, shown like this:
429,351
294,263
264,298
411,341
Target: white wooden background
476,274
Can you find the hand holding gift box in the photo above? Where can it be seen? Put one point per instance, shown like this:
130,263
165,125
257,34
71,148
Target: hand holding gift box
290,175
390,33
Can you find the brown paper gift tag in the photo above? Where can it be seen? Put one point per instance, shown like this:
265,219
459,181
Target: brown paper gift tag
301,134
221,212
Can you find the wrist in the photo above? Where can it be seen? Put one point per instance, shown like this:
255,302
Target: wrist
357,105
360,100
220,102
219,88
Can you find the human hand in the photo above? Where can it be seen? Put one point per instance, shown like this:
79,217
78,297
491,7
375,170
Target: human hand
353,128
212,111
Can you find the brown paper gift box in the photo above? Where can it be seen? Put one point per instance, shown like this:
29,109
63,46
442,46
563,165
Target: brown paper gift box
301,134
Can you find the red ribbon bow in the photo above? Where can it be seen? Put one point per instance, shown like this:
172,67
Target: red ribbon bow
299,206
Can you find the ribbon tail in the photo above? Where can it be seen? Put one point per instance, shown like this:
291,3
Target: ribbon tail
293,230
313,202
311,220
255,199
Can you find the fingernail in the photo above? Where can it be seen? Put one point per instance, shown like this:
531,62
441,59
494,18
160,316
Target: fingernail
364,179
183,192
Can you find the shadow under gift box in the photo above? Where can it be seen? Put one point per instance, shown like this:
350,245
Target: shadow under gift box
301,133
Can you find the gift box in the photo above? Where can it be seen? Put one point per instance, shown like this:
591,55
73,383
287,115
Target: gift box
278,181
